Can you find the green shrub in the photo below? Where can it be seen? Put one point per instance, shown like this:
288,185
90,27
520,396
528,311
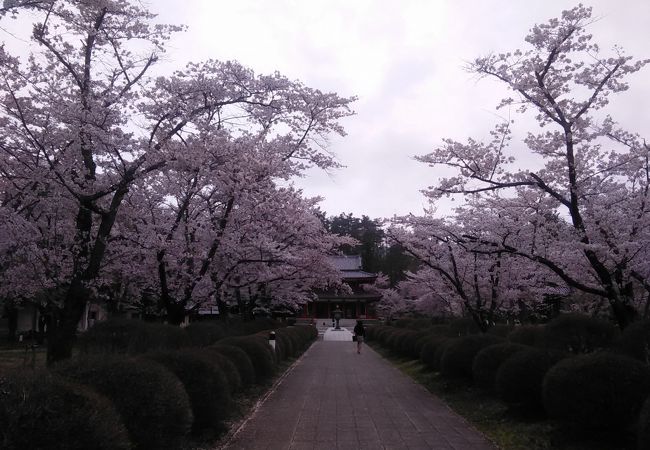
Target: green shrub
259,351
151,400
441,330
463,326
500,329
600,390
205,384
203,334
240,359
409,344
458,358
644,426
634,341
43,411
488,360
413,324
519,379
578,334
248,327
428,354
130,336
383,332
391,339
168,337
224,363
291,343
526,334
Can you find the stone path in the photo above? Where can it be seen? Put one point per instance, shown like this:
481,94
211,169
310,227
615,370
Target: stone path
334,398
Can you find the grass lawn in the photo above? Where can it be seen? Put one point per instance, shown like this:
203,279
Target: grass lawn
507,428
21,355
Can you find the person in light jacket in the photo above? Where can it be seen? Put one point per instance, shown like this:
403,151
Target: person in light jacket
359,333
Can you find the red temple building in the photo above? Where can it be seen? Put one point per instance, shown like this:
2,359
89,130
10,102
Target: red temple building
360,304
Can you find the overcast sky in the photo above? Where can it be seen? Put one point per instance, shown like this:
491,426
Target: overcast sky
404,60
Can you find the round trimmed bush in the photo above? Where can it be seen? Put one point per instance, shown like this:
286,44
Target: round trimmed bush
600,390
392,338
115,336
440,351
259,351
205,384
519,379
441,330
500,329
428,354
151,400
383,333
488,360
410,345
224,363
295,342
526,334
240,359
635,341
413,324
578,334
644,426
463,326
203,334
43,411
458,358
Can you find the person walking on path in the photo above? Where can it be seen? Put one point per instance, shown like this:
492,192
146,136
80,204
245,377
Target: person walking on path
359,333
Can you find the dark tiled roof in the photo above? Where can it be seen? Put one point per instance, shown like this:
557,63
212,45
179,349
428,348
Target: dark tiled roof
356,274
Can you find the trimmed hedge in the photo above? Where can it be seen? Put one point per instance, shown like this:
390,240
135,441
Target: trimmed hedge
578,334
527,334
151,400
130,336
411,344
488,360
413,324
519,379
635,341
259,351
428,354
601,390
240,359
501,330
458,358
203,334
43,411
463,326
440,351
205,384
224,363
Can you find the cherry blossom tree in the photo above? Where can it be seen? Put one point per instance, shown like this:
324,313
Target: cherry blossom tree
594,176
84,127
457,277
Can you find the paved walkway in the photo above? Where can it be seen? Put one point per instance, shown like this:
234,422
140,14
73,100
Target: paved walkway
334,398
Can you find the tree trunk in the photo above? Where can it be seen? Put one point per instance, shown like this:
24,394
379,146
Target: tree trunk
62,329
12,320
175,313
624,313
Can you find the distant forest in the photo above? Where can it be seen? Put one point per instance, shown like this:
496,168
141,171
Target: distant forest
376,254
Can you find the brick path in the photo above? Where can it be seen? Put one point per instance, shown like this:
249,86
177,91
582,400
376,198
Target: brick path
334,398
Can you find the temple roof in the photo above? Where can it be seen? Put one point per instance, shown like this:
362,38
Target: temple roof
350,267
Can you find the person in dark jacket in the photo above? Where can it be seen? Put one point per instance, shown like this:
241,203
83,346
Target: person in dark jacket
359,333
